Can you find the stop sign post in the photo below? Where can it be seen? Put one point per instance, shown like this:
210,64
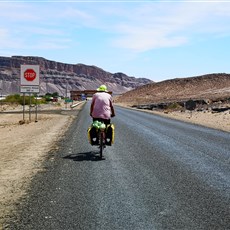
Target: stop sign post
29,84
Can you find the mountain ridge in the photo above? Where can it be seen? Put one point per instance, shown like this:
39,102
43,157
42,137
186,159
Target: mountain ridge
59,77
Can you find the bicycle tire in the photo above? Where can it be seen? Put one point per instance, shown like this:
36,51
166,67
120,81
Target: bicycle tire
101,144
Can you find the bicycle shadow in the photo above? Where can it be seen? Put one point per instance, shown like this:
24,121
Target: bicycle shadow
85,156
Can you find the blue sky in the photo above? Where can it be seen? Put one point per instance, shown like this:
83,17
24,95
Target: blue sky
158,40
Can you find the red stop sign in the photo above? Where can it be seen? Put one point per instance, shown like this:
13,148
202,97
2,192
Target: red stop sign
29,74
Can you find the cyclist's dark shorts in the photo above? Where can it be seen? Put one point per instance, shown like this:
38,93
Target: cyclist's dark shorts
103,120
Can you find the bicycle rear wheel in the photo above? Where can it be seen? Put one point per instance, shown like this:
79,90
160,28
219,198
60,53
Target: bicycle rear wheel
101,144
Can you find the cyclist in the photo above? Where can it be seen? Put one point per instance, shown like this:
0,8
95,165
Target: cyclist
102,106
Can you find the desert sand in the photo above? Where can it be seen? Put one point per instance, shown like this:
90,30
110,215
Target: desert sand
220,121
24,147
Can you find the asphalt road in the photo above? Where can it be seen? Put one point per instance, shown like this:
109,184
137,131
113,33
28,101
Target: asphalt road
159,174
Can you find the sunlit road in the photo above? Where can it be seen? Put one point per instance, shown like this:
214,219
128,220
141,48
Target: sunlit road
159,174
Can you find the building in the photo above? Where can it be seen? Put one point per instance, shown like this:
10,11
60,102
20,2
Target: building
83,94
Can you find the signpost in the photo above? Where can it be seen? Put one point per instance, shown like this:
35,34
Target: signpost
30,83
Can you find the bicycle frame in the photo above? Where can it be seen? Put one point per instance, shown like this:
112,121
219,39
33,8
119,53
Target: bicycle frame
101,137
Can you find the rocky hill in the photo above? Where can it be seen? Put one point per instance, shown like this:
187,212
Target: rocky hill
57,76
210,86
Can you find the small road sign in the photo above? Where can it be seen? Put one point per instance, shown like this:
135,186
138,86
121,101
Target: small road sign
29,89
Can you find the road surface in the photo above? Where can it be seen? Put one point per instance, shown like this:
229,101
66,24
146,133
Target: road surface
159,174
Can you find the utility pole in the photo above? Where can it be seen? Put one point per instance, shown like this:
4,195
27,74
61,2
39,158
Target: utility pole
66,94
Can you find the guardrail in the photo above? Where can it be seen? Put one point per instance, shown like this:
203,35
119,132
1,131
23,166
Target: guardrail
74,105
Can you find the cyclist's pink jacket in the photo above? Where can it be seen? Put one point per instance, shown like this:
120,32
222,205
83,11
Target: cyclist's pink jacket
102,105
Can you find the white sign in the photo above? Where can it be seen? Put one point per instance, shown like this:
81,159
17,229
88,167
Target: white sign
30,79
30,89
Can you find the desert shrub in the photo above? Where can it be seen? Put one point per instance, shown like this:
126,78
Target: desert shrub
12,98
49,96
27,100
174,106
18,99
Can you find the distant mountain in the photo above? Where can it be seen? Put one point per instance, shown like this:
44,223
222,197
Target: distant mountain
57,76
210,86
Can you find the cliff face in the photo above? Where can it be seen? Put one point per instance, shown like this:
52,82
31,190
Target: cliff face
57,76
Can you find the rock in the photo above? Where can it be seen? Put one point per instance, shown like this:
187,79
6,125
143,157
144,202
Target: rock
222,109
21,122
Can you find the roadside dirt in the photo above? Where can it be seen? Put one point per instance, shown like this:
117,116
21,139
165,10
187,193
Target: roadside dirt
24,147
220,121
